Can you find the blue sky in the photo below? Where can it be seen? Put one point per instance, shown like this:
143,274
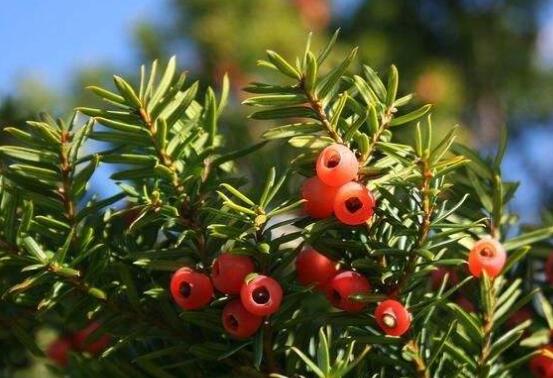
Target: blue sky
52,38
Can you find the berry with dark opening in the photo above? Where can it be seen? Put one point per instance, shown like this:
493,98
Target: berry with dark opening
228,272
353,204
314,268
487,255
337,165
541,365
58,351
261,295
319,197
392,317
344,285
549,269
238,322
85,342
190,289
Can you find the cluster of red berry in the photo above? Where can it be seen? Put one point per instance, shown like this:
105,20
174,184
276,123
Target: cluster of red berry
315,269
58,350
260,295
333,191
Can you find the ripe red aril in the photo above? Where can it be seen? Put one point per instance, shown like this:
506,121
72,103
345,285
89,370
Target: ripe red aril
344,285
337,165
83,341
228,272
314,268
541,365
58,351
353,204
261,295
392,317
319,198
191,289
238,322
487,255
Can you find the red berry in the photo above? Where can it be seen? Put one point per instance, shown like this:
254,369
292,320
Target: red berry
337,165
314,268
228,272
238,322
549,269
84,342
353,204
465,304
190,289
541,366
58,351
487,255
392,317
344,285
437,277
261,295
319,197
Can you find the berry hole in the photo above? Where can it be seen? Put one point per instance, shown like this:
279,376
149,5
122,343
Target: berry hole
332,159
353,204
336,296
232,322
261,295
185,289
486,252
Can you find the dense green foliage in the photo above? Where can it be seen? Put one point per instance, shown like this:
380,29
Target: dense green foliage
66,257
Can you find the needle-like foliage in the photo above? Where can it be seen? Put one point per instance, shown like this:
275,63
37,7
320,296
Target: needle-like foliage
68,257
